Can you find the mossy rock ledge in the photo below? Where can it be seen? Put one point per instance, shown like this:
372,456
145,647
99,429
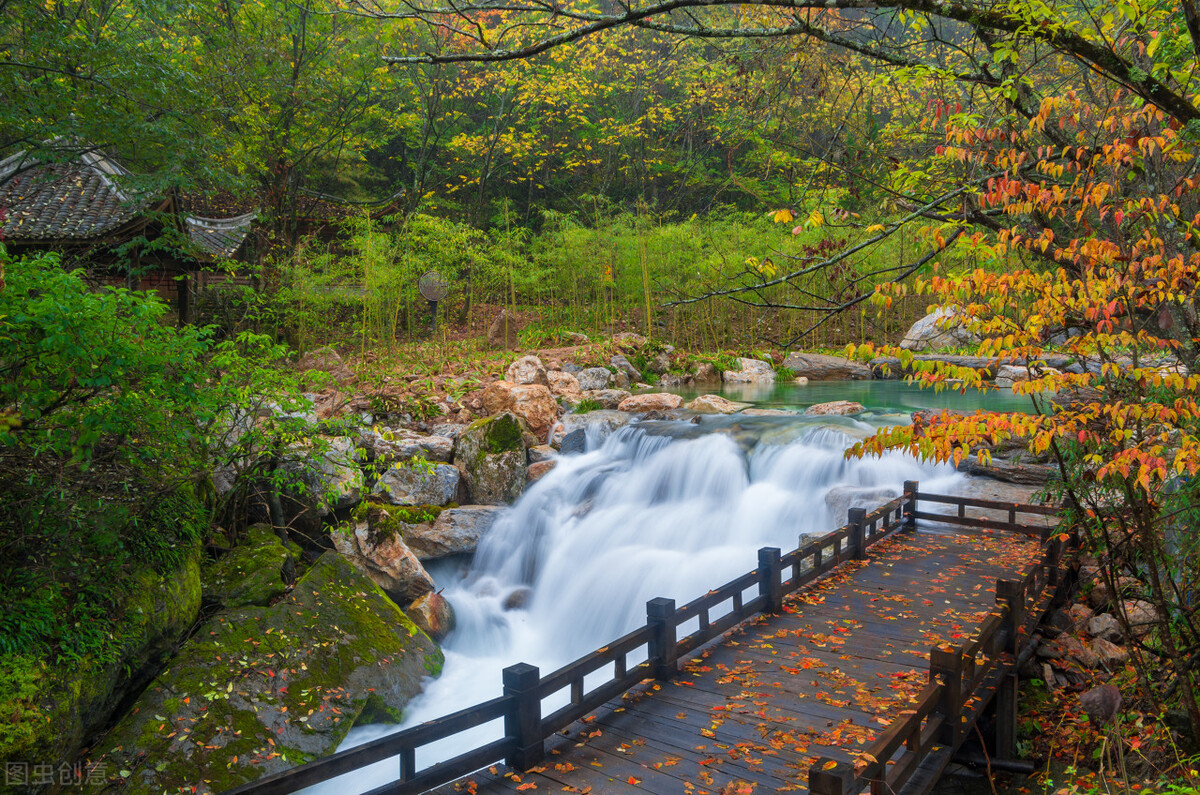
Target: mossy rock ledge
254,572
52,710
261,689
491,455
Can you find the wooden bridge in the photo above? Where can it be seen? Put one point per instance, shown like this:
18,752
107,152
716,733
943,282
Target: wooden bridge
863,660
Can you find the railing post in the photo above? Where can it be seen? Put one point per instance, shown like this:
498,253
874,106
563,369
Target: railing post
770,579
829,777
858,535
523,721
1010,593
910,505
946,664
660,618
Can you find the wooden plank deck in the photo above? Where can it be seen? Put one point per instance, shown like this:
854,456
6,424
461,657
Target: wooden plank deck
846,657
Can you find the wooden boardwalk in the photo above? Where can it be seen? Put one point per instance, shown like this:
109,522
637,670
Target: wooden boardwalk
821,680
857,661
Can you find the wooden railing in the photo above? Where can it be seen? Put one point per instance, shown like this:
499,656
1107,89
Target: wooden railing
963,679
659,649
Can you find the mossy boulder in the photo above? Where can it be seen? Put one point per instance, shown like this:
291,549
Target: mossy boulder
254,572
51,711
261,689
491,454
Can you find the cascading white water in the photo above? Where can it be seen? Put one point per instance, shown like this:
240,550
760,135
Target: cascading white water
661,509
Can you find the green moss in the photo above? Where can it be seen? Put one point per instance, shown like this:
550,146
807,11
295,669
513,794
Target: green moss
416,514
503,434
434,663
586,405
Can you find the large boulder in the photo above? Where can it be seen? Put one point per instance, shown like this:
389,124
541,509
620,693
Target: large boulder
706,373
388,445
255,572
454,531
599,424
502,333
942,328
715,404
374,543
527,370
497,397
594,378
753,371
261,689
819,367
418,482
536,405
491,455
52,709
325,481
834,408
628,341
655,401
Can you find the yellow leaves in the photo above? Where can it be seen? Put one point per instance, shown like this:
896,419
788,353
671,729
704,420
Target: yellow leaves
875,228
784,216
816,218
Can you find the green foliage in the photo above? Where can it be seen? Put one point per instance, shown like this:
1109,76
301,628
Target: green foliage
586,405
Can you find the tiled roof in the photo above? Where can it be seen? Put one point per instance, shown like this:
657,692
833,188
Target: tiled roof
219,237
77,199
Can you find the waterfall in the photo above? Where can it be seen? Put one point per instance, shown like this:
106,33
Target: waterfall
657,509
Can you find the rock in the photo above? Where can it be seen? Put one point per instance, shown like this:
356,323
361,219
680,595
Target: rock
819,367
607,398
374,543
597,424
800,380
337,651
753,371
623,365
840,499
565,385
433,615
491,456
330,480
538,471
575,338
769,413
502,333
540,452
715,404
1105,626
387,446
628,341
672,381
659,364
594,378
1079,616
1141,615
418,483
447,430
620,380
61,706
1008,471
1008,374
1101,703
1079,652
325,359
706,373
527,370
834,408
517,599
655,401
453,532
255,572
536,405
939,329
497,397
1111,655
1102,596
573,442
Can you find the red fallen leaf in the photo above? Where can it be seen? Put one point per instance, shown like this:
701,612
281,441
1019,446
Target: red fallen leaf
635,781
529,785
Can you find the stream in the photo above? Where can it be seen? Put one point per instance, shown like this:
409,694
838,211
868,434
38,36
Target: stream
660,508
